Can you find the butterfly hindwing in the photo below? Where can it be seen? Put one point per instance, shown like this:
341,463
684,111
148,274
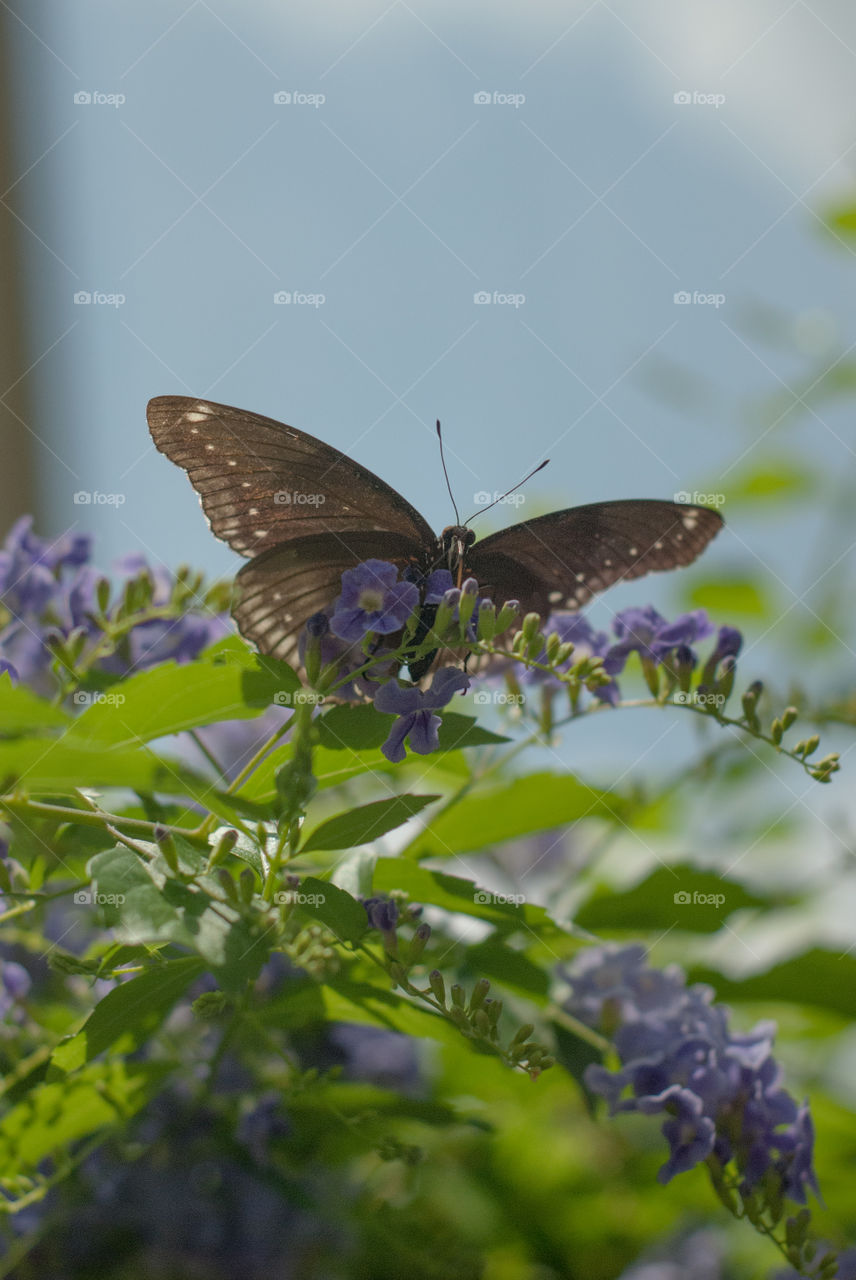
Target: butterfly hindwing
262,483
561,560
278,590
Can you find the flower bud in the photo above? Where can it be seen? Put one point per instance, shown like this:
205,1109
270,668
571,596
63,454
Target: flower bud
486,624
445,610
222,849
789,715
166,843
418,943
247,885
467,603
102,594
725,683
438,986
227,884
457,993
531,626
480,990
506,615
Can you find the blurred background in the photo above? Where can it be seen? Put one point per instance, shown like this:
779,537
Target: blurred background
612,235
618,236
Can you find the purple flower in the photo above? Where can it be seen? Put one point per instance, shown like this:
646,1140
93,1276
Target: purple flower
689,1131
646,632
437,584
721,1090
372,599
382,914
414,707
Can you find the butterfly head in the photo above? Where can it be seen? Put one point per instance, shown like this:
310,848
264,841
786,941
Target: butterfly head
454,541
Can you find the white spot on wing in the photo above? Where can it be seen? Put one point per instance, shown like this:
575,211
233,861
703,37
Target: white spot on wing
263,533
633,551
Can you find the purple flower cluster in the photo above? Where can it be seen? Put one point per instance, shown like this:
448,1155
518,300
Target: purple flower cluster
47,588
643,631
720,1090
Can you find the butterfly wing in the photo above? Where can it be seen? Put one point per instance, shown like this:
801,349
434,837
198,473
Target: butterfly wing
561,560
279,589
263,483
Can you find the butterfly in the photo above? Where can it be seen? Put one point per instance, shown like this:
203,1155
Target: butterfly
303,513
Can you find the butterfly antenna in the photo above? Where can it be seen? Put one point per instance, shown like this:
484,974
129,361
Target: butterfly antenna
513,489
446,474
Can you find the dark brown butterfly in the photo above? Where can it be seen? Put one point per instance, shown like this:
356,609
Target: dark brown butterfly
304,512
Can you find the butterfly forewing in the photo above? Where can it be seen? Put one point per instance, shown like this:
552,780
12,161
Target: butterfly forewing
263,483
561,560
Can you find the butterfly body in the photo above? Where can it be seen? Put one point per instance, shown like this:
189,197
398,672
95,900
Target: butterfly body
303,513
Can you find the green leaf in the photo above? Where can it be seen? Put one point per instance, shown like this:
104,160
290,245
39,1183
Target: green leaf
60,765
681,897
128,1015
172,697
334,907
54,1115
779,479
366,823
22,711
344,1001
146,905
823,979
731,597
842,219
453,893
534,803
